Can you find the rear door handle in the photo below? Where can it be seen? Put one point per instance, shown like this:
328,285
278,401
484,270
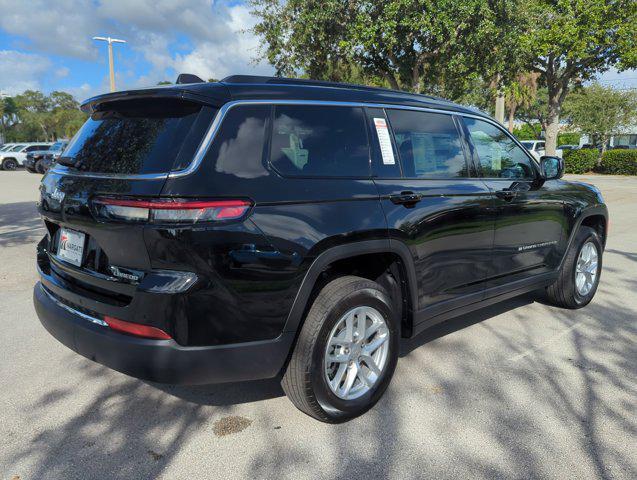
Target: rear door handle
408,199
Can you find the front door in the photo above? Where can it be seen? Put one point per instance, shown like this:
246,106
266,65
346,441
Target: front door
434,204
529,214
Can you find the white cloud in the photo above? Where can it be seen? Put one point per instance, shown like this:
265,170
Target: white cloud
234,54
62,72
63,27
215,33
21,71
613,78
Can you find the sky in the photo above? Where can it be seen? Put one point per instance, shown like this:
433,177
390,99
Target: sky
47,45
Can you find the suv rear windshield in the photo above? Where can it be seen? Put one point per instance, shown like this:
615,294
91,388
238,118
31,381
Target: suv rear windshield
139,137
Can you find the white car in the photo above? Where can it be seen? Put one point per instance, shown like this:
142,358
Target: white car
15,155
536,147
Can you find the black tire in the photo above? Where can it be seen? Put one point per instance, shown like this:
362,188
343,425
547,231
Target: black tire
39,167
564,293
9,164
305,381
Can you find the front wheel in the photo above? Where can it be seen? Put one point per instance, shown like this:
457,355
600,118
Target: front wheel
579,277
346,352
9,164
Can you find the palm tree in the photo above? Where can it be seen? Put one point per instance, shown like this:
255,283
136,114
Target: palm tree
520,93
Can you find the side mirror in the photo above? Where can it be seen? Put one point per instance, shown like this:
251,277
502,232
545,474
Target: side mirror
552,167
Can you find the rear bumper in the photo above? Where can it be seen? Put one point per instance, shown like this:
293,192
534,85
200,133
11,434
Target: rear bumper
162,361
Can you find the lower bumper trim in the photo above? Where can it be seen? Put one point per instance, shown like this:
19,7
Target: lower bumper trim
163,361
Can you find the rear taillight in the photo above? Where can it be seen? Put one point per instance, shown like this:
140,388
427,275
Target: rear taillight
136,329
172,210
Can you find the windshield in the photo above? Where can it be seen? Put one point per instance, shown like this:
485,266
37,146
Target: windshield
138,137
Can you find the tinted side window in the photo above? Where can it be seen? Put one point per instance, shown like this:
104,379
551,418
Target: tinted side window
239,145
429,144
320,141
500,157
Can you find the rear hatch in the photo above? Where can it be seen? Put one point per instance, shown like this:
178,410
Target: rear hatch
126,149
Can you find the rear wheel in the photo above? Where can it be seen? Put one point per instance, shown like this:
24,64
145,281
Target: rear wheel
579,277
9,164
346,352
39,167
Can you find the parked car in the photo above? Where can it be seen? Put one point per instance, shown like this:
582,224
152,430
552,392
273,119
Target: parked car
39,161
6,146
536,147
297,228
32,159
568,147
15,156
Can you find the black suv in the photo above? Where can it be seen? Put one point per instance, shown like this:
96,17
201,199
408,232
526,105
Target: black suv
255,227
40,161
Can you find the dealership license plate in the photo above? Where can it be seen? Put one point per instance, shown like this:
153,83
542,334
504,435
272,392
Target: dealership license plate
71,246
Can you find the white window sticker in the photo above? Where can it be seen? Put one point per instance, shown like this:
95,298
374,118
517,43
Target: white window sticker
384,141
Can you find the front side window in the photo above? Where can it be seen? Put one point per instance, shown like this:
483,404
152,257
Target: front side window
500,156
17,148
429,144
319,141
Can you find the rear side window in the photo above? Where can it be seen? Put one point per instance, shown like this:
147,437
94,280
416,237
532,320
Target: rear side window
139,137
319,141
429,144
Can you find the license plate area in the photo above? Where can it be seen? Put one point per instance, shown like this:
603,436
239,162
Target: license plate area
70,247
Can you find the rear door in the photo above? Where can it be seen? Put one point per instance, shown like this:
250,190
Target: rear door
434,204
529,213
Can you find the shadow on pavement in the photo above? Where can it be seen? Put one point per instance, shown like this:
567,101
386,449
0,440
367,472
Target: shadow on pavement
19,224
473,411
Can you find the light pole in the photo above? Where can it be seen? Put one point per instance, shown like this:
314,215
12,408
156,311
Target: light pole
110,41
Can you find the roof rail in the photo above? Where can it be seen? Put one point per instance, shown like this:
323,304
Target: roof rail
293,81
318,83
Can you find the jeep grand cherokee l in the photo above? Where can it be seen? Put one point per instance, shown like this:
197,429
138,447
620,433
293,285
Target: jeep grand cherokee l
257,227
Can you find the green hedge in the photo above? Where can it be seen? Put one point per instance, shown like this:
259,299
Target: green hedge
619,162
580,161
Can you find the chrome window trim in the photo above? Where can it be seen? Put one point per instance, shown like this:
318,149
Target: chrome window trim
84,316
211,133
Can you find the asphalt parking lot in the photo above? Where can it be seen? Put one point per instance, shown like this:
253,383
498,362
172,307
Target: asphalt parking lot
517,390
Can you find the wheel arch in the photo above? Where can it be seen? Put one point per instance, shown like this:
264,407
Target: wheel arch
331,262
595,217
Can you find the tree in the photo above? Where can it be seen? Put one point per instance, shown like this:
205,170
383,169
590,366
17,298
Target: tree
430,46
601,112
520,93
533,113
33,116
569,41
